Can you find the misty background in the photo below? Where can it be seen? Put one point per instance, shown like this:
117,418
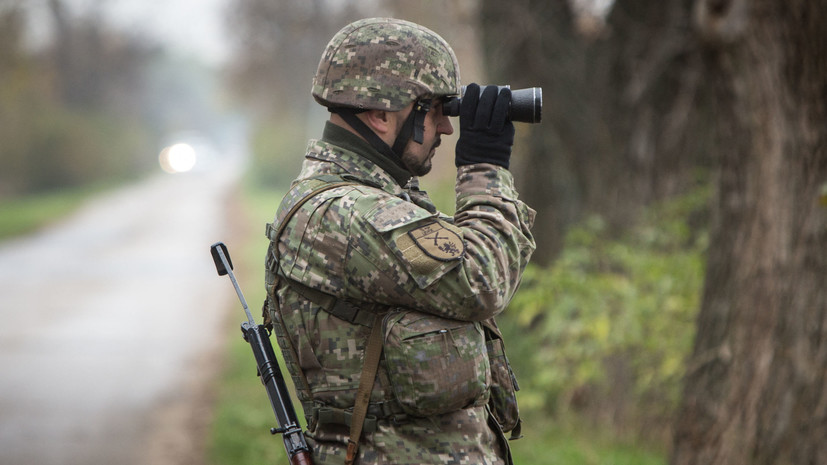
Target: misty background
674,311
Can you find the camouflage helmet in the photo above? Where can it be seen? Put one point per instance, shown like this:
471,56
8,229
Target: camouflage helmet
385,64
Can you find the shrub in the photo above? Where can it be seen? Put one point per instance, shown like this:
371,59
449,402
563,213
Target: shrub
606,330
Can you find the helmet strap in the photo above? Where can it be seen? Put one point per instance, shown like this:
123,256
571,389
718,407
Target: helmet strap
349,115
412,128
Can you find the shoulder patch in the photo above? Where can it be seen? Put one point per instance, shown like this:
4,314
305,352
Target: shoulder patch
439,241
425,246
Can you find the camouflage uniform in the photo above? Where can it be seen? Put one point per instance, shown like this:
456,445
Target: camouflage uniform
379,244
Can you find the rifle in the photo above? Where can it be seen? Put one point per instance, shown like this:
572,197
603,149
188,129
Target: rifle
268,369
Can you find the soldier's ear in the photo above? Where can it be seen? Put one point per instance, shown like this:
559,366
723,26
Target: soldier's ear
383,123
378,120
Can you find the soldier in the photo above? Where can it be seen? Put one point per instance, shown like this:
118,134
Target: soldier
383,307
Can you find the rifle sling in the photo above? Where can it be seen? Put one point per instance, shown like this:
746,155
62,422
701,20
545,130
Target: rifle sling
349,312
373,353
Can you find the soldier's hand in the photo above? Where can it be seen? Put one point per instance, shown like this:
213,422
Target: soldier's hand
485,132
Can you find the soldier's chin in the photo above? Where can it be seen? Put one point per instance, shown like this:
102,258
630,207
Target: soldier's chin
426,167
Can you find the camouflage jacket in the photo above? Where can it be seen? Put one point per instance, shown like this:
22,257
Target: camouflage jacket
374,243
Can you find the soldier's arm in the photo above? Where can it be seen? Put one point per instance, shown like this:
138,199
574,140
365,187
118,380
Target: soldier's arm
399,254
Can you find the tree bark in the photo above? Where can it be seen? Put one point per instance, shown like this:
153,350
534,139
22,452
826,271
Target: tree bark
755,387
621,127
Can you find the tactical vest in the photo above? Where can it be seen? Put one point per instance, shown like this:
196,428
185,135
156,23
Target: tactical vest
365,414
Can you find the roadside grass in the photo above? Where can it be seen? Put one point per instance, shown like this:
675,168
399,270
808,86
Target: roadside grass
549,441
240,431
26,214
242,416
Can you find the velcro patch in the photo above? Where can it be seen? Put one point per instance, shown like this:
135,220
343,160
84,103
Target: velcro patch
392,212
439,241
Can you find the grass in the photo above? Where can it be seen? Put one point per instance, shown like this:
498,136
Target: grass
242,419
240,433
547,442
22,215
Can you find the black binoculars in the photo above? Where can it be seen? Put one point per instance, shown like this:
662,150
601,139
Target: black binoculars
526,104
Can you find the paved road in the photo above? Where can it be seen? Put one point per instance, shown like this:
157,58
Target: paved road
105,322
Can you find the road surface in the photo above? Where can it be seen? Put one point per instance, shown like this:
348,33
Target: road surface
109,321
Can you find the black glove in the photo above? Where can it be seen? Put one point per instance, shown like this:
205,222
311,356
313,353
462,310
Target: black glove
485,132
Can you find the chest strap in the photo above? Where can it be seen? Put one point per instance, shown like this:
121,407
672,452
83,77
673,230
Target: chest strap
373,353
347,311
360,313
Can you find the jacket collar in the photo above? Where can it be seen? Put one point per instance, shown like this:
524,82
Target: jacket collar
356,156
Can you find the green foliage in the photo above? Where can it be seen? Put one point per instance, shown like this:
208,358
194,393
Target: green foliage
243,416
239,433
64,148
25,214
278,149
49,146
240,430
441,191
606,330
549,442
51,140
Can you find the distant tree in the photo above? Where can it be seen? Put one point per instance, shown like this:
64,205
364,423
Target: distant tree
279,42
276,51
96,67
72,112
623,118
755,389
15,78
12,26
278,45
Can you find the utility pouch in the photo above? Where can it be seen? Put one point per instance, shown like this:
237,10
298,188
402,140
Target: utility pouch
435,365
504,387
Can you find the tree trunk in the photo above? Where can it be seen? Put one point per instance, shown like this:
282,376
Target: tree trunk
620,119
755,387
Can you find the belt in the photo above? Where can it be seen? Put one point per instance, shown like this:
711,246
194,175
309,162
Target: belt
388,410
